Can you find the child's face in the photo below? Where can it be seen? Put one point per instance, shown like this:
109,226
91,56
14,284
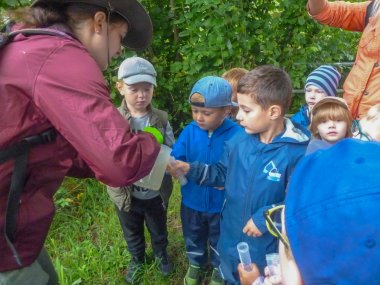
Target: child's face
313,95
208,119
252,117
332,131
138,96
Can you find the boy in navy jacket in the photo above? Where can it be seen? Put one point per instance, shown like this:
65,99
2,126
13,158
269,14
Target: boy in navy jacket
202,140
255,167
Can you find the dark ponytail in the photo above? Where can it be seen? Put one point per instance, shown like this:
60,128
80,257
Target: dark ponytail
46,15
38,17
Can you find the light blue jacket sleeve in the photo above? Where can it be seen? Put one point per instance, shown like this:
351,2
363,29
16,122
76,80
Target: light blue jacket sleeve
179,148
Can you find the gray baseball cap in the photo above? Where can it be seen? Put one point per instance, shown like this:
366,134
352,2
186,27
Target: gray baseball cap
135,70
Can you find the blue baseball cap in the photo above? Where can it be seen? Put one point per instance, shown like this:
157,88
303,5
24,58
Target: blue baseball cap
332,214
216,92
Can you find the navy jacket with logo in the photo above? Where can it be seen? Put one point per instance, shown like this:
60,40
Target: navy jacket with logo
255,176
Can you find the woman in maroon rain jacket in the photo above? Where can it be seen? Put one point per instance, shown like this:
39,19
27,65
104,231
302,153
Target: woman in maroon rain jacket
55,81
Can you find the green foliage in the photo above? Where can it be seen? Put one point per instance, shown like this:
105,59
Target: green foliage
86,242
7,4
198,38
194,38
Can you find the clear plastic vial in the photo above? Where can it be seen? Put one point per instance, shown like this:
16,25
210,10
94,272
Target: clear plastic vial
245,258
181,178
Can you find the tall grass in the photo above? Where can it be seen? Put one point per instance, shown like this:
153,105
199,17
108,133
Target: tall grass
86,242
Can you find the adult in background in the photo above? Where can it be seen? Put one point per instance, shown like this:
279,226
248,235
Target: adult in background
52,91
362,86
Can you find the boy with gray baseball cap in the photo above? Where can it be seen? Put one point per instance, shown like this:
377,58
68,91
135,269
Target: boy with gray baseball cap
135,70
136,205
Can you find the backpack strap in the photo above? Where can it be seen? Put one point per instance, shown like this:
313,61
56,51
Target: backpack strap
7,37
19,152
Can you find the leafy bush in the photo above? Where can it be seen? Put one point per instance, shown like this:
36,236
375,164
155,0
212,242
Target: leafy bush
197,38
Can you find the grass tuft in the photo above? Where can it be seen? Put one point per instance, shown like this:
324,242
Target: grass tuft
86,242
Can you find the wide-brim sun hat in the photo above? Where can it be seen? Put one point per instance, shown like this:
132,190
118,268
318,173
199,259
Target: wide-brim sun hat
140,29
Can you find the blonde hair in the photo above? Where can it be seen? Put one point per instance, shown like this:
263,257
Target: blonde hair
334,110
233,76
197,98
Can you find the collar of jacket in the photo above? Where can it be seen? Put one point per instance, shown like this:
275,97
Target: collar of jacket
293,133
125,111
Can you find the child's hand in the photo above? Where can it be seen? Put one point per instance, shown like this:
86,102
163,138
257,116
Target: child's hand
247,277
250,229
272,279
177,168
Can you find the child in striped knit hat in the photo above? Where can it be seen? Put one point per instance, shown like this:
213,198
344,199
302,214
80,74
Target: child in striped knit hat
320,83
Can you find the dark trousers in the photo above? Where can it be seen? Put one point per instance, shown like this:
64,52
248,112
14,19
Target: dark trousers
153,213
201,234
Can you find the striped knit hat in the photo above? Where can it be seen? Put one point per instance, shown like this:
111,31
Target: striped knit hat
326,78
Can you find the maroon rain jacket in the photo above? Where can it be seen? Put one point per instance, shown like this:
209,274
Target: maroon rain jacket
52,81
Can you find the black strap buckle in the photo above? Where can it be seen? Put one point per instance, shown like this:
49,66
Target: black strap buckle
46,137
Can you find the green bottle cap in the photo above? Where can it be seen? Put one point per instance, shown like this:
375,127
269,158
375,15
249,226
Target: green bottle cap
156,133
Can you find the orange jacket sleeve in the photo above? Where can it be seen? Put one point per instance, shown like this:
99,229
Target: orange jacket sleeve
345,15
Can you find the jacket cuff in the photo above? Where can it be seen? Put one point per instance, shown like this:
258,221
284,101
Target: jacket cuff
195,172
259,219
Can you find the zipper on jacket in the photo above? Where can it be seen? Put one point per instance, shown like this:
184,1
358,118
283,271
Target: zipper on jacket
249,194
207,192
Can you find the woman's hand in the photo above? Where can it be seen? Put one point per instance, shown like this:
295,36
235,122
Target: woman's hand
177,168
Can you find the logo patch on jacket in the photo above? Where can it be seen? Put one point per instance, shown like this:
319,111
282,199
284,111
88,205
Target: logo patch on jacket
272,171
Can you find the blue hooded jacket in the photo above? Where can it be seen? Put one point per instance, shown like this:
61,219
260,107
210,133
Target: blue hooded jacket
302,118
255,176
194,144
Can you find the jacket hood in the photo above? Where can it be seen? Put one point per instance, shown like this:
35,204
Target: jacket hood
293,134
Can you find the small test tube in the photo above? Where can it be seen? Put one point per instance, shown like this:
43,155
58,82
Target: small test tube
245,258
181,178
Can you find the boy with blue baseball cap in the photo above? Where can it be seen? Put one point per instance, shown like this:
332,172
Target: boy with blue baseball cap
203,140
255,167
